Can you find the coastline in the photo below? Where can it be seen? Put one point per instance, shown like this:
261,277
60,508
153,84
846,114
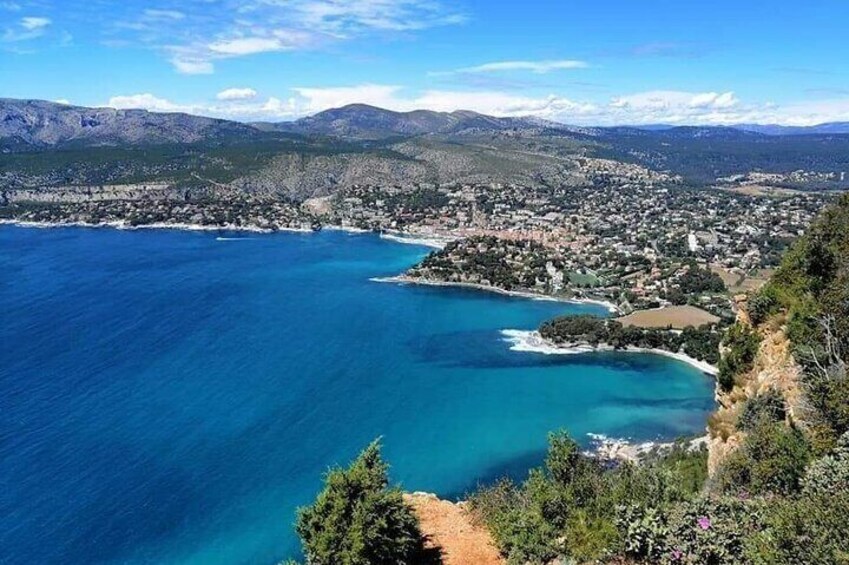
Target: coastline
605,448
121,225
404,279
436,242
532,342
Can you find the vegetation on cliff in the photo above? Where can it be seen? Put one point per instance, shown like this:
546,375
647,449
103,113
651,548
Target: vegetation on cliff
359,520
810,294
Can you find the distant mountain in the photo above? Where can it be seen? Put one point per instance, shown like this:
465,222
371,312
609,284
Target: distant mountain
41,123
361,121
833,128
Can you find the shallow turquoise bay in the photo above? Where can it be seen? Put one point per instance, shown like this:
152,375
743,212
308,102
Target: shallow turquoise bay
169,397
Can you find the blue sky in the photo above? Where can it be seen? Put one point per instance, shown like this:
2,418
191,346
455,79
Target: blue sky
576,61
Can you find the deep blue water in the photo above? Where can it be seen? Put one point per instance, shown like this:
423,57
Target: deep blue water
166,397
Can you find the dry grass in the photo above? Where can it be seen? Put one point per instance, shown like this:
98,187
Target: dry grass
740,283
677,317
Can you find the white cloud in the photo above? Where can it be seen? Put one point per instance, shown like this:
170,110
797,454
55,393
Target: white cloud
148,102
194,40
538,67
32,23
11,6
653,107
27,28
673,99
164,14
236,94
311,100
246,46
192,66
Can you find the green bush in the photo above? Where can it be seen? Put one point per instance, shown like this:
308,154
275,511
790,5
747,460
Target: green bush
644,531
771,460
709,530
769,406
808,530
741,343
762,305
358,520
572,507
829,474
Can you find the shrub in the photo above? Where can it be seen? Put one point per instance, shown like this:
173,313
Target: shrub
762,305
808,530
644,531
829,474
358,520
769,406
741,343
772,459
709,530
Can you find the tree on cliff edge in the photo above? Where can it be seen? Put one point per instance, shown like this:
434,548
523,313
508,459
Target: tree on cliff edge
358,519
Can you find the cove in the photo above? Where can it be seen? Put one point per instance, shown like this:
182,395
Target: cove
173,397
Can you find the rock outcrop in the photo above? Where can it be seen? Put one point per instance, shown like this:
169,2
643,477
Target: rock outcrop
774,368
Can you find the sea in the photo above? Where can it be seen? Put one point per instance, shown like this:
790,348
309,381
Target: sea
174,396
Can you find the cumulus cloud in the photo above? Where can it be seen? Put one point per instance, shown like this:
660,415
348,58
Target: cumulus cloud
236,94
311,100
148,102
653,107
672,99
538,67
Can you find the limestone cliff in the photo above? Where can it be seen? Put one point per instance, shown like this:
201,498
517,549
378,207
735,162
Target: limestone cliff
774,368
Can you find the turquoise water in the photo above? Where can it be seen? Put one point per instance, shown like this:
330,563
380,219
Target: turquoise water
168,397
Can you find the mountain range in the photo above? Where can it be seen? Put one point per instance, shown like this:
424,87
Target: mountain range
35,123
44,145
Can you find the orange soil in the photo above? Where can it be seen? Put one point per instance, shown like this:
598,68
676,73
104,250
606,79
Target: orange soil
449,527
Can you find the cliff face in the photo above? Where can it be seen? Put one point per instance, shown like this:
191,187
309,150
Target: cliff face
774,368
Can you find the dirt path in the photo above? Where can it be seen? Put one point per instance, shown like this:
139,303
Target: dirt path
448,526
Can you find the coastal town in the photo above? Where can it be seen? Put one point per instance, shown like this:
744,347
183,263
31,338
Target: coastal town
637,245
634,240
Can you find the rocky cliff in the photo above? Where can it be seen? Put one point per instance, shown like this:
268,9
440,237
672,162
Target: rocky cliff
774,368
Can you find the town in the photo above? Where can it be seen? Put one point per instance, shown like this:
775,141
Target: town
638,245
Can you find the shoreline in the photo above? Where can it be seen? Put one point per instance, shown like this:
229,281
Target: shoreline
404,279
435,241
528,341
122,225
605,448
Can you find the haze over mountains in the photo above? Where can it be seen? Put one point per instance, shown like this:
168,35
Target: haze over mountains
36,123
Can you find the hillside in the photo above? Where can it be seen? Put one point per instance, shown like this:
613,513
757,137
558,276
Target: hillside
36,123
46,146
